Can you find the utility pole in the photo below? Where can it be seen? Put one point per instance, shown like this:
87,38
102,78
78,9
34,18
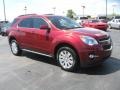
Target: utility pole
4,10
83,9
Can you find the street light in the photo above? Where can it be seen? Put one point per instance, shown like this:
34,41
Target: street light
114,9
106,9
54,10
25,8
4,10
83,9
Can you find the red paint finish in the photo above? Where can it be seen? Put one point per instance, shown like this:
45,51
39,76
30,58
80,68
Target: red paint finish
46,41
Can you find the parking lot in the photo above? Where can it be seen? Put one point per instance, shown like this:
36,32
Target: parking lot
35,72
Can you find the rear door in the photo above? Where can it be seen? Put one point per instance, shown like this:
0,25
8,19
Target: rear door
25,29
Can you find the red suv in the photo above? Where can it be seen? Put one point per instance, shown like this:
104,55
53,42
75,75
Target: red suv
59,37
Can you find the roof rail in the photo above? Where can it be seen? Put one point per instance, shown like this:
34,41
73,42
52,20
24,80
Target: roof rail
48,14
26,15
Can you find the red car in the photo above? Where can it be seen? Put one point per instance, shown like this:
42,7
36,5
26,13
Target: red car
59,37
95,24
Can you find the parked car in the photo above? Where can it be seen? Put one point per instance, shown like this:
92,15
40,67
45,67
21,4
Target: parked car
59,37
81,19
115,23
4,29
116,17
95,24
103,19
4,25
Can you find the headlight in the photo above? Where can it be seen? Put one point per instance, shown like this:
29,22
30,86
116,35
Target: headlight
89,40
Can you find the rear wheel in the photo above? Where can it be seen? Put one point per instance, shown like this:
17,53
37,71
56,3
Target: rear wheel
15,48
67,59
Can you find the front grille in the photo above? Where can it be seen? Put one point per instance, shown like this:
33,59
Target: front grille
105,43
103,39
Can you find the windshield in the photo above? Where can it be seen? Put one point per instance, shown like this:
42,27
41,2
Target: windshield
102,17
83,18
63,22
94,21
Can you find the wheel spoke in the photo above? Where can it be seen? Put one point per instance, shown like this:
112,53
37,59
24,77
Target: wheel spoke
66,59
14,47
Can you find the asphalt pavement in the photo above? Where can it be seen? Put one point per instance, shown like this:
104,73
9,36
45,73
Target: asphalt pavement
35,72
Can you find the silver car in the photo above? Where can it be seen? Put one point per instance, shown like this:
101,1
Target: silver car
4,29
115,23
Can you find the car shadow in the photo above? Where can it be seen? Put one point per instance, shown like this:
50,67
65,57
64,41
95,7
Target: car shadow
40,58
111,65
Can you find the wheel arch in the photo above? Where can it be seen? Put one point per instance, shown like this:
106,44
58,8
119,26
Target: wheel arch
63,45
11,38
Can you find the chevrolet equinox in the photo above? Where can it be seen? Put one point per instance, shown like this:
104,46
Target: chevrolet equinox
59,37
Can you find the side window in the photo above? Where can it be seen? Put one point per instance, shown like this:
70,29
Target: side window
14,21
26,23
37,22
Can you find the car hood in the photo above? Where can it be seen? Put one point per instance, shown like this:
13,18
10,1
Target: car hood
96,33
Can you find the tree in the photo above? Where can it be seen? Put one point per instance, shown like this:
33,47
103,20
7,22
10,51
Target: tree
88,16
71,14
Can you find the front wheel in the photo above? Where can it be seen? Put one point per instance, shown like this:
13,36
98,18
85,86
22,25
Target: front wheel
67,58
15,48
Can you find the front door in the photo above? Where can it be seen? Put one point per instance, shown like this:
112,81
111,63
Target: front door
43,38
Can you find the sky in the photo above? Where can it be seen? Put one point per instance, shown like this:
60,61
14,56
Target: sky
15,8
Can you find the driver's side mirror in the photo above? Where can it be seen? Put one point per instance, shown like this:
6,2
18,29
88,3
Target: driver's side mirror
45,27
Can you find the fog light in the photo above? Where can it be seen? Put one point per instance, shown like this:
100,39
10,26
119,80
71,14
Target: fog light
92,56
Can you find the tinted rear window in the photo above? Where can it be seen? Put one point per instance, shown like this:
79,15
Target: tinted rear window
28,23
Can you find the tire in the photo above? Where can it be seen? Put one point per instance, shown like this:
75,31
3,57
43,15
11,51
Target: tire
109,26
67,59
15,49
3,34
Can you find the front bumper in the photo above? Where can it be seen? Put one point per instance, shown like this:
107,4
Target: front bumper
93,57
